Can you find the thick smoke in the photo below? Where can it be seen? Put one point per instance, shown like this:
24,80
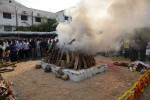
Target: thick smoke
99,25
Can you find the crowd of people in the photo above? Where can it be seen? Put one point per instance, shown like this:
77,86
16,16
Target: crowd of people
23,49
135,49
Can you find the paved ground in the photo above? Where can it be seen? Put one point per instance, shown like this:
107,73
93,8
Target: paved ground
146,94
33,84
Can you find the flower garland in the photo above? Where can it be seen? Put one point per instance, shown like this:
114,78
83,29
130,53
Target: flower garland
5,92
138,87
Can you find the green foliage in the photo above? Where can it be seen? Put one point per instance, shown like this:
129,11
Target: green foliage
48,26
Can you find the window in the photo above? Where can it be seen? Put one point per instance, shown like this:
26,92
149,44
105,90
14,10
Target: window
9,1
37,19
7,15
23,17
7,28
66,18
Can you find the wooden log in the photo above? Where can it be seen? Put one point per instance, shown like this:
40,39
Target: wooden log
67,56
93,60
55,55
7,64
8,69
84,63
52,55
10,64
76,61
71,64
90,61
80,65
87,60
63,63
58,58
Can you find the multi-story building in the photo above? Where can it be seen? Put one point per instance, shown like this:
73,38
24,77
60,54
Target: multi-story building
13,14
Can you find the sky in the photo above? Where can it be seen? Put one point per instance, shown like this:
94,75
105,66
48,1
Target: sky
49,5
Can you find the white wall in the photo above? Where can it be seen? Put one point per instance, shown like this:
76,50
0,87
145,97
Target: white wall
60,16
7,7
1,28
4,21
23,22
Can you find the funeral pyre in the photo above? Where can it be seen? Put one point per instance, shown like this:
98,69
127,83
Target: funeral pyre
71,59
66,58
68,62
5,92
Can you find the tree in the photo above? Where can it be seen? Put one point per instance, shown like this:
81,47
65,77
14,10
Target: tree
48,26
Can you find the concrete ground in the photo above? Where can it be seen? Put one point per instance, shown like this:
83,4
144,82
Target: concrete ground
33,84
146,94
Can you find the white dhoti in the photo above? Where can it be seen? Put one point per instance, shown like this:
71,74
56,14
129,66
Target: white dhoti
38,50
148,52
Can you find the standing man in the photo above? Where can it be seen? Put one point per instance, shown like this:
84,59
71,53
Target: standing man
26,48
133,50
148,50
38,50
20,53
43,46
126,48
33,48
142,50
13,51
1,49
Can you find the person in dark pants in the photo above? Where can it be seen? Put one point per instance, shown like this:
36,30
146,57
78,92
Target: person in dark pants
148,50
1,53
21,51
126,48
133,51
142,50
1,49
26,49
43,46
13,51
33,48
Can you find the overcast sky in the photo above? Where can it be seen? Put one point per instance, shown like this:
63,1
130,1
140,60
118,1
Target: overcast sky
49,5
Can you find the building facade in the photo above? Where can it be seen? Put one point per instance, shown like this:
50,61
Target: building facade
13,14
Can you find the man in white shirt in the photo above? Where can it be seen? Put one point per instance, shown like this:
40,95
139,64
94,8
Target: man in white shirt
21,50
148,50
1,49
38,50
26,48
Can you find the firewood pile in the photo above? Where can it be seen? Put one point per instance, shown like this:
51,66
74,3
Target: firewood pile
7,66
70,59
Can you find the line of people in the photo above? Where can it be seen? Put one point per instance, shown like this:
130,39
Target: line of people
135,49
15,50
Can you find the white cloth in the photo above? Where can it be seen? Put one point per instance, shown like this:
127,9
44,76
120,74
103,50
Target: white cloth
2,47
136,63
38,44
20,45
6,44
26,46
148,52
38,51
148,46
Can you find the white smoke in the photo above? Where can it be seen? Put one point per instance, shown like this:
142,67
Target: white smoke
98,25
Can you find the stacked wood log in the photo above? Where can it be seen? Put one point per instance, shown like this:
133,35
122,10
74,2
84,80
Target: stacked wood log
6,66
70,59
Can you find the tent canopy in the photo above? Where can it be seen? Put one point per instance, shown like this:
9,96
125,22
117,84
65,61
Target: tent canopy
28,34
